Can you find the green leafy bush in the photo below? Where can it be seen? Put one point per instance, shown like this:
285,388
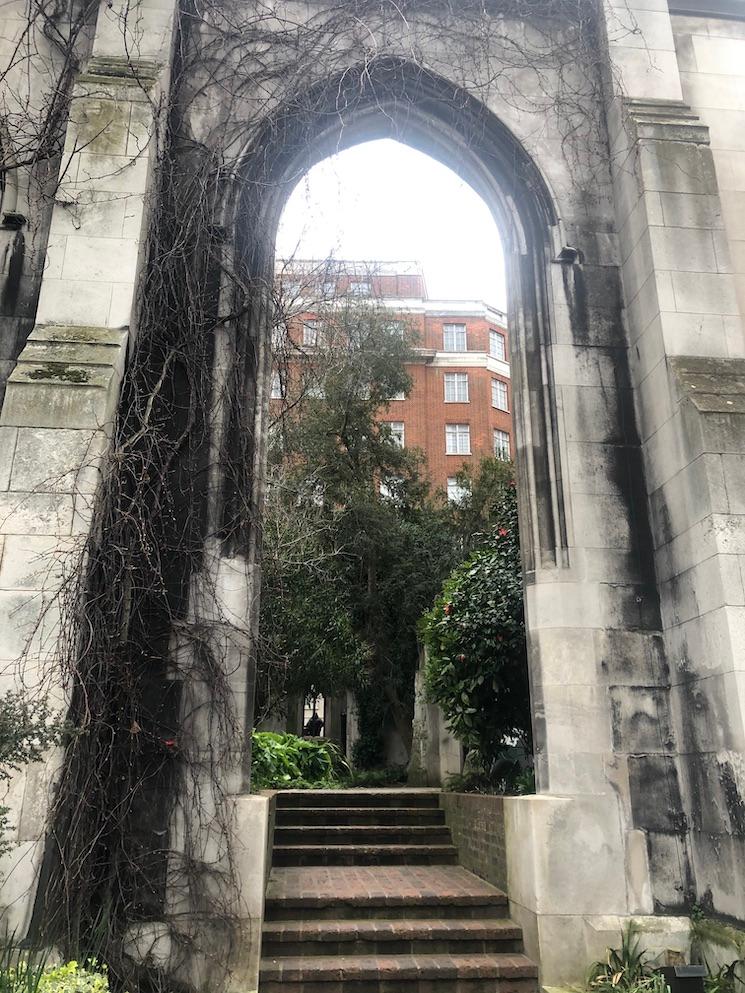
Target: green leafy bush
285,761
475,639
30,974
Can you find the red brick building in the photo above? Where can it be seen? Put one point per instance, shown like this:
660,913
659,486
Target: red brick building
459,408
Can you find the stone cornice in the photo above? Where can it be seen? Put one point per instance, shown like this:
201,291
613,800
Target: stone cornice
665,120
129,72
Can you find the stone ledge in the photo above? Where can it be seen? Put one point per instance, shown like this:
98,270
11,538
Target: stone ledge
666,120
712,385
66,377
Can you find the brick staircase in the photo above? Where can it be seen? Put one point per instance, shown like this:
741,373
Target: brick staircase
365,896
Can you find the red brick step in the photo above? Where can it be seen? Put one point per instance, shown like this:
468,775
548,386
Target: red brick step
312,816
358,798
390,936
383,973
364,896
365,834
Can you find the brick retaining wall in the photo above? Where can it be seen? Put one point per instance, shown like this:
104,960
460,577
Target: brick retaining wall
477,826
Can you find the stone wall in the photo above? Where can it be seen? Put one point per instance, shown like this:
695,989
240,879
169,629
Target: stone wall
477,826
711,57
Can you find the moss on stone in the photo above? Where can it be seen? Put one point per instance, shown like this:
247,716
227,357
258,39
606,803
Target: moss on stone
61,371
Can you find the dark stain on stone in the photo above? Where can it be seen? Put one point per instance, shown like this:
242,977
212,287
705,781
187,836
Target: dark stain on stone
575,291
655,794
733,799
15,255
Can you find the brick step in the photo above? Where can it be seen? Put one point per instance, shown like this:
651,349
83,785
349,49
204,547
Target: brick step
292,816
302,855
373,893
390,936
358,798
362,834
399,974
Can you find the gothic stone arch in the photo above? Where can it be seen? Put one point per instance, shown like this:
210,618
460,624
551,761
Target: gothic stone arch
624,438
593,617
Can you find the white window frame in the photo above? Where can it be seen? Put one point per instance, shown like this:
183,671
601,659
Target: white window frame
277,392
457,439
459,337
360,288
398,432
499,389
456,492
501,444
398,396
457,380
500,352
396,329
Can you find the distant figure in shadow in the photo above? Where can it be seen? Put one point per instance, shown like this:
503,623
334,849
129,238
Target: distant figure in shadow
314,726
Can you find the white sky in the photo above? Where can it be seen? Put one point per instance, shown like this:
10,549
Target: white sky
384,201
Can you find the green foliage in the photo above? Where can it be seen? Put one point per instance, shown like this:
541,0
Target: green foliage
27,728
721,939
511,774
725,979
483,498
475,638
627,969
285,761
394,775
347,572
29,972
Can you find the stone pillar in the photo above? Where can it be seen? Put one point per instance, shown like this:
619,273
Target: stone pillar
686,349
61,397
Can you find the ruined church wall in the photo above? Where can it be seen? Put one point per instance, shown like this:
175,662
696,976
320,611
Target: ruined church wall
711,57
31,66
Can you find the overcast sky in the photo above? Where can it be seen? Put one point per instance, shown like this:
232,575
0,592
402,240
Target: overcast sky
385,201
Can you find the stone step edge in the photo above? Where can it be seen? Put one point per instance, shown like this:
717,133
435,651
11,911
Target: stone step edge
365,828
390,849
310,900
325,808
337,967
395,929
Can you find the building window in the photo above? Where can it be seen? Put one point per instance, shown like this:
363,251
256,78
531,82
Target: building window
359,288
401,395
314,390
397,432
328,290
496,345
457,439
454,338
499,394
277,392
456,387
291,289
456,492
395,328
501,444
310,333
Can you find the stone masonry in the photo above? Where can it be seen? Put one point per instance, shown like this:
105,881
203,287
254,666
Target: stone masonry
626,274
